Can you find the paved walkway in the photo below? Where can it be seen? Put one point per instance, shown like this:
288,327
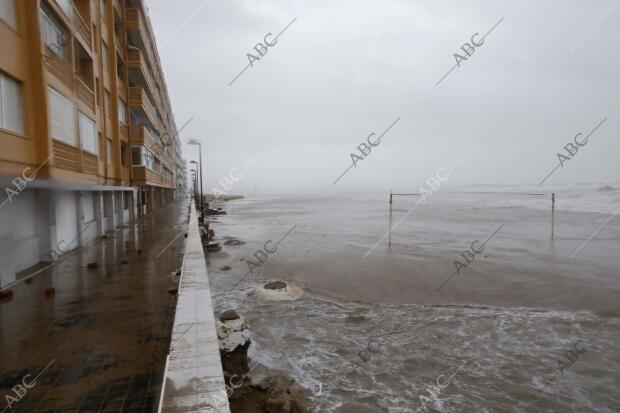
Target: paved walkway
100,343
194,377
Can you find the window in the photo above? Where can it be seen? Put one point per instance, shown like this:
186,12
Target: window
88,133
54,36
136,155
62,114
121,111
148,158
11,115
105,58
102,9
66,6
106,102
108,150
7,12
124,154
98,91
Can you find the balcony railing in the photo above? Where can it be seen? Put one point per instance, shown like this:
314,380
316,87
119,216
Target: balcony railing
139,135
147,176
138,97
85,94
134,20
82,27
135,60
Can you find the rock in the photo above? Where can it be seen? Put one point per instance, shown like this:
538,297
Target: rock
225,268
6,295
234,339
280,404
213,246
275,285
229,315
234,242
92,265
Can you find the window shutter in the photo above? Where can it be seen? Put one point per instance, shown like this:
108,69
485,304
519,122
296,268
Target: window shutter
12,113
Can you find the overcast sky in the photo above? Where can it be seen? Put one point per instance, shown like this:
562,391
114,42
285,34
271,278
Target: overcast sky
345,69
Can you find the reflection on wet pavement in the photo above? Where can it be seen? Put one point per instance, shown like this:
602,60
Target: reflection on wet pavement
105,333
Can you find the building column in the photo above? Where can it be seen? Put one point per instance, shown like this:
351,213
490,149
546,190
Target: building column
108,211
98,196
118,204
80,218
42,220
133,204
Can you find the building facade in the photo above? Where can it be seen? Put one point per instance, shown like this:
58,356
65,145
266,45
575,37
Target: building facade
87,136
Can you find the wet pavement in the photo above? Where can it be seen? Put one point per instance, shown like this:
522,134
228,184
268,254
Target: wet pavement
99,343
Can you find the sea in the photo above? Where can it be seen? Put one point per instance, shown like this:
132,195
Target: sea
468,304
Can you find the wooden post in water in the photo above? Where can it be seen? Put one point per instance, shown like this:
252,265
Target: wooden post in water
390,229
552,215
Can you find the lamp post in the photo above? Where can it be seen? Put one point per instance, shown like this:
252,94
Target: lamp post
194,182
195,142
200,179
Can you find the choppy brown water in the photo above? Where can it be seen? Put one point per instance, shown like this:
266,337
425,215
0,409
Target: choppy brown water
510,316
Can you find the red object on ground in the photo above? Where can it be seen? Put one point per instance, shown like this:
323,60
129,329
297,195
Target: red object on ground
50,292
211,233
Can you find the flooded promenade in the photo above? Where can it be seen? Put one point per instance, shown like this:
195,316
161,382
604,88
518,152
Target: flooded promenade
98,342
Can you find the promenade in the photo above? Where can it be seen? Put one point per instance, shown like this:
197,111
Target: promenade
99,342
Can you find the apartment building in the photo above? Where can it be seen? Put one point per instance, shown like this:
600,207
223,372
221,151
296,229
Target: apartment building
87,136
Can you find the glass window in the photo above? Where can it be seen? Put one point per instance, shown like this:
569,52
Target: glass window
66,6
54,36
62,117
136,155
88,133
7,12
106,102
121,111
124,154
102,9
105,58
11,109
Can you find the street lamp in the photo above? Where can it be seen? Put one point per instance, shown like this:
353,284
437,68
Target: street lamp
200,199
194,183
195,142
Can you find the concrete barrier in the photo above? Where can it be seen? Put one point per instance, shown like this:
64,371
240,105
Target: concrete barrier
193,379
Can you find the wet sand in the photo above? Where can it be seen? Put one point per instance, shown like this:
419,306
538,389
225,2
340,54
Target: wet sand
106,332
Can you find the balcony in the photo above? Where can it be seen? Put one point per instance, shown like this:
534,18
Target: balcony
85,94
59,67
141,76
138,35
82,28
141,175
142,107
139,135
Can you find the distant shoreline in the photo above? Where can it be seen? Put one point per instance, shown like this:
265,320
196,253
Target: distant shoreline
211,197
